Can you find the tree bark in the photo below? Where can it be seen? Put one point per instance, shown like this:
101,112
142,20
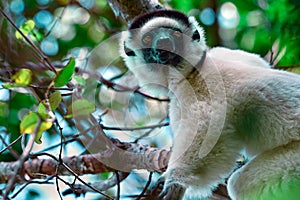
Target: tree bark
130,9
151,159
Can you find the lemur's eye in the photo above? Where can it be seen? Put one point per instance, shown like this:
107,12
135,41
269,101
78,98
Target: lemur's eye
196,36
147,38
177,34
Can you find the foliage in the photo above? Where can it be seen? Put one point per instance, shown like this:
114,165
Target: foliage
261,23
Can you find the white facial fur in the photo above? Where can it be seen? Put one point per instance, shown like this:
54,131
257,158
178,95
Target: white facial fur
157,77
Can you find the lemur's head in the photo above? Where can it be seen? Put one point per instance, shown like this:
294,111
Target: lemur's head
162,46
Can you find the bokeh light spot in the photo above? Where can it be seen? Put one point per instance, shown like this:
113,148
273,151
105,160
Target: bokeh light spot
43,18
88,4
228,16
43,2
49,46
207,16
17,6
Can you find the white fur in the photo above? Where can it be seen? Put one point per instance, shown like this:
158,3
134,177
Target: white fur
236,102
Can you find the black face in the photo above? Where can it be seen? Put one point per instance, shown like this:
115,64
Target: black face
163,45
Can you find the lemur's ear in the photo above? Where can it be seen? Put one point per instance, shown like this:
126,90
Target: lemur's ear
196,36
128,51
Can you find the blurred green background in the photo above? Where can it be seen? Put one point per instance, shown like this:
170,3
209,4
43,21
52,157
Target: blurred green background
252,25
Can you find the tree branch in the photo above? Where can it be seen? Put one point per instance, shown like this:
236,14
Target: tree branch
149,158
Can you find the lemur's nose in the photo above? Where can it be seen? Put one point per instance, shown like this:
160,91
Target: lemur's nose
164,44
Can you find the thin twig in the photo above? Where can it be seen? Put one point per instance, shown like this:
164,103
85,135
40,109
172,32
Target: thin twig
22,159
32,182
75,175
134,128
118,87
148,132
37,50
14,153
118,184
146,186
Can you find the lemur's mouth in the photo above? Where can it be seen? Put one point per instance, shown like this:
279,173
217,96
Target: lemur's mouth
161,56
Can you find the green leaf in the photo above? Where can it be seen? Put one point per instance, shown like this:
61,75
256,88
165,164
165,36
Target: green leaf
26,28
42,111
29,123
64,76
80,107
43,127
22,77
4,110
106,175
80,80
17,88
54,101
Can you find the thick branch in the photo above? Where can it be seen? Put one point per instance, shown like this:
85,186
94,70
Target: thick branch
145,157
